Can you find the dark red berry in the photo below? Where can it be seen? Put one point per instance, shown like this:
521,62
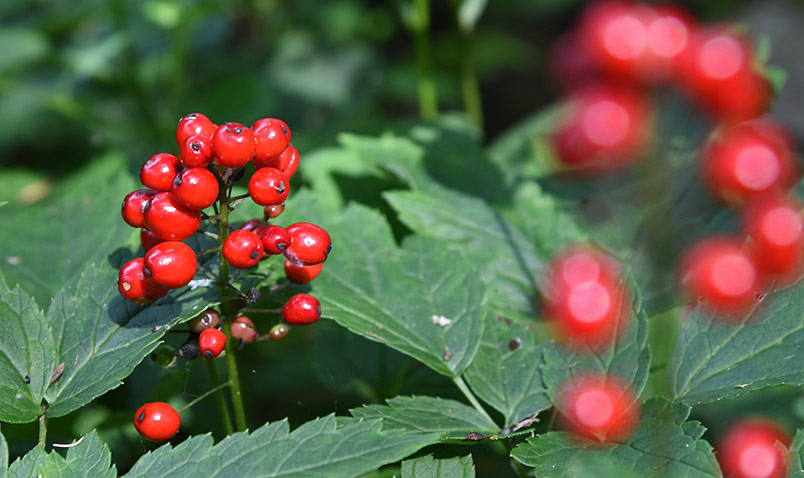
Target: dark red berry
208,319
273,211
157,421
243,329
171,264
194,124
268,186
169,220
242,249
301,309
776,228
275,239
309,244
233,145
134,206
158,172
195,188
299,274
211,342
196,151
132,285
278,332
271,137
148,239
250,225
288,161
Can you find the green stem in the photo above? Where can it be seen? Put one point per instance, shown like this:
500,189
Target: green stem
428,100
223,409
42,430
470,87
471,397
204,395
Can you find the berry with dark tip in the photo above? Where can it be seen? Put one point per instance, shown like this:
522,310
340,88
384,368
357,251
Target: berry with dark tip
211,342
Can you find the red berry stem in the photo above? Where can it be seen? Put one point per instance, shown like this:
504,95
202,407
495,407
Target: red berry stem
261,311
223,408
204,395
472,399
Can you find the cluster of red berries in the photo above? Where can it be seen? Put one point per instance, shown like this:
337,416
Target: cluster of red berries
211,158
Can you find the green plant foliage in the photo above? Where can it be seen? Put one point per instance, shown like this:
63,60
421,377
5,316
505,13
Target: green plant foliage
430,467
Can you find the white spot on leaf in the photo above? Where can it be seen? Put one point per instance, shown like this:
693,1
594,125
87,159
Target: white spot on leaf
441,321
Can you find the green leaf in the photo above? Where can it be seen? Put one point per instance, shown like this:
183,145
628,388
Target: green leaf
664,445
796,456
29,466
428,414
26,350
422,299
524,151
506,371
323,447
322,165
715,359
21,47
431,467
89,458
77,224
3,456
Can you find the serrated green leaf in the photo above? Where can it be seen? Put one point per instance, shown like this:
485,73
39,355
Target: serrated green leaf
506,371
524,151
77,224
796,456
3,456
428,414
663,446
90,458
322,165
715,359
430,467
28,466
324,447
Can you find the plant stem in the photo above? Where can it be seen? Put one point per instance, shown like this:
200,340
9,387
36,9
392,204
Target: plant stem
262,311
471,397
428,101
470,88
42,430
223,409
204,395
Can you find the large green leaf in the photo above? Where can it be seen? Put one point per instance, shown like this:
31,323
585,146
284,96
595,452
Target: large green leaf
715,359
89,458
428,414
506,371
664,446
321,448
796,456
430,467
3,456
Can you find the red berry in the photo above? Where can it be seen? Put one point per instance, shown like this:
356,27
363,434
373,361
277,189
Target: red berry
169,220
299,274
196,151
309,244
207,319
584,299
242,249
748,159
301,309
776,228
171,264
273,211
599,408
158,172
268,186
211,342
570,63
134,206
195,188
288,161
250,225
275,239
754,448
148,239
157,421
132,285
723,274
243,329
605,128
233,145
194,124
271,137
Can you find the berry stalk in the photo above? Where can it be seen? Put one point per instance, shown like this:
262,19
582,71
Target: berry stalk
471,397
42,430
223,408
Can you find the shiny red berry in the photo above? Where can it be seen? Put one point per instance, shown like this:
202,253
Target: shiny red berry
157,421
268,186
309,244
723,274
301,309
134,206
211,342
243,329
171,264
250,225
148,239
132,285
288,161
299,274
196,151
271,137
207,319
599,408
273,211
776,228
194,124
195,188
233,145
754,448
275,239
158,172
242,249
169,220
